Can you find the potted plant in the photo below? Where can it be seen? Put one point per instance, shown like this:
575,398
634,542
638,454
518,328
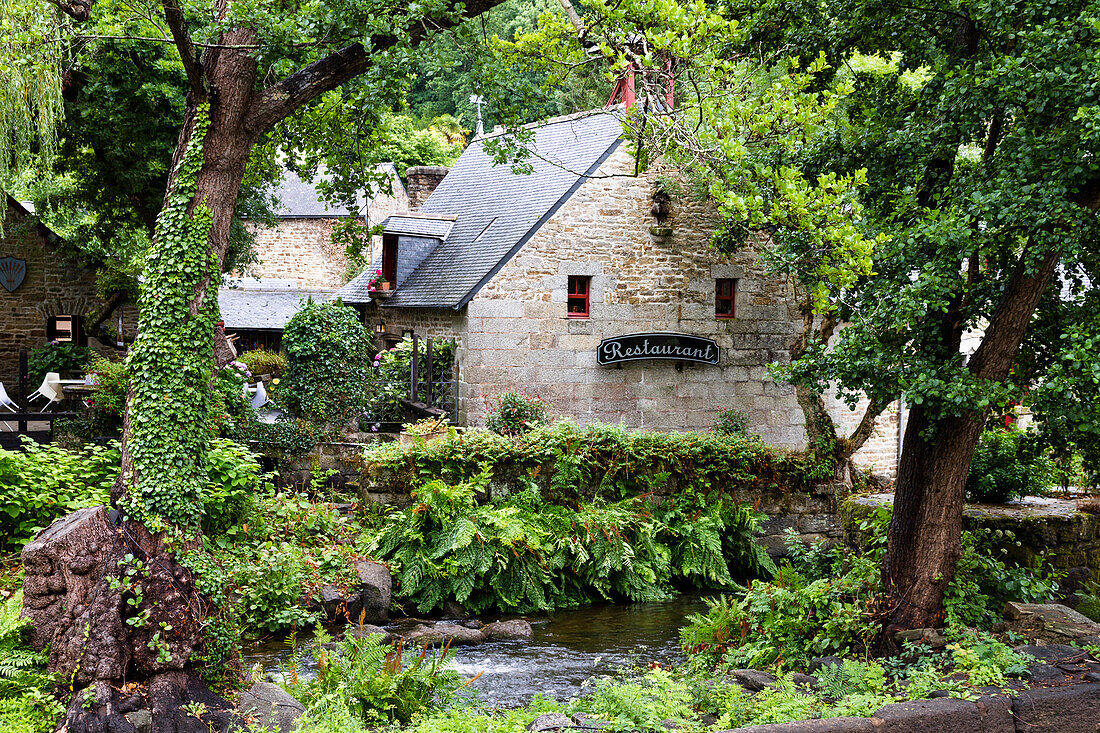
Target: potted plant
378,285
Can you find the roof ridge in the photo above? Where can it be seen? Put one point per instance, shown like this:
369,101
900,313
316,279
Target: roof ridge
499,131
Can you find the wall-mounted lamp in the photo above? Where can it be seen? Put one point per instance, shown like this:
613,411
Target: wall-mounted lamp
380,328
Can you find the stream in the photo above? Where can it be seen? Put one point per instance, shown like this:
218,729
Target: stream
567,650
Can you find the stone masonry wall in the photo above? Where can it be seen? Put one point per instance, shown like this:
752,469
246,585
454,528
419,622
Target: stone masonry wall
301,250
519,335
51,286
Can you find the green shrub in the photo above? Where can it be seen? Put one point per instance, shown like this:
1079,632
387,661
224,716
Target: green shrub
1008,463
790,620
571,461
822,602
43,482
328,358
271,588
731,422
264,361
515,413
27,703
108,402
234,482
68,360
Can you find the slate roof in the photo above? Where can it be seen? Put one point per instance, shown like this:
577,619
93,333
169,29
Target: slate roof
299,199
420,226
497,210
263,310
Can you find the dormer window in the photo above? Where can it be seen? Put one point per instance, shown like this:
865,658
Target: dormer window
389,259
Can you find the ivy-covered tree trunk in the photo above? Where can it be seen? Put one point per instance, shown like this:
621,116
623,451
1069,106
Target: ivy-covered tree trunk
147,624
925,531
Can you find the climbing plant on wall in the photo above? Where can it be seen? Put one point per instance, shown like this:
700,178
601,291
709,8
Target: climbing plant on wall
171,361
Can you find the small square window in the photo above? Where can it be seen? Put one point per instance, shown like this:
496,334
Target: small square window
66,329
725,297
578,296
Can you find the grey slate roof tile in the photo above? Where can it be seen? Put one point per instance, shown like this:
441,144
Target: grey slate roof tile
260,310
299,199
421,226
477,192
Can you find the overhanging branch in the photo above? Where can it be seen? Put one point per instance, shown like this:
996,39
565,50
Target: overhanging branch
280,100
177,24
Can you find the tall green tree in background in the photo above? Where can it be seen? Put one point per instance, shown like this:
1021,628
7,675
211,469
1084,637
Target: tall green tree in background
958,143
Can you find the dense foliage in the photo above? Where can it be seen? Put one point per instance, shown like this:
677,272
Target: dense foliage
515,413
827,601
365,681
66,359
27,702
1008,463
171,363
520,553
43,482
327,350
39,484
108,401
569,461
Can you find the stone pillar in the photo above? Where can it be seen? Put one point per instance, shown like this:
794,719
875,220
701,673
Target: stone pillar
422,181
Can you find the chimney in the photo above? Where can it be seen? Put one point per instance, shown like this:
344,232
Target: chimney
422,181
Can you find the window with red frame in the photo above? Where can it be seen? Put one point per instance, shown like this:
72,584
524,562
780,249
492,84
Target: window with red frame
389,259
578,296
725,295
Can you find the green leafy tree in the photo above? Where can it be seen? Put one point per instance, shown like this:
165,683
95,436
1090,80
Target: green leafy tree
947,149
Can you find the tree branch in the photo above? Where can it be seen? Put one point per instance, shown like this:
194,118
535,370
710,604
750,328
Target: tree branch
574,18
78,10
865,428
280,100
182,38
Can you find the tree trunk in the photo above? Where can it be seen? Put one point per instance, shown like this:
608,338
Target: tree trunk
925,530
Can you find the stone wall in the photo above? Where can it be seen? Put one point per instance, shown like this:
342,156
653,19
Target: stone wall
423,179
1040,530
53,285
644,278
880,452
301,250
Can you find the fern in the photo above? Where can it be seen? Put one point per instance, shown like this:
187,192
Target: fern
523,554
27,704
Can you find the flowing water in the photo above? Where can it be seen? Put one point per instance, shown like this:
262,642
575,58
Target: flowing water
567,650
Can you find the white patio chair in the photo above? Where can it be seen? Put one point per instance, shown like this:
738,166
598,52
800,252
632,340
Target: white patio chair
7,403
50,389
259,397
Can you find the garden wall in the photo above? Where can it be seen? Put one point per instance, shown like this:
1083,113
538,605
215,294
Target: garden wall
613,463
1039,527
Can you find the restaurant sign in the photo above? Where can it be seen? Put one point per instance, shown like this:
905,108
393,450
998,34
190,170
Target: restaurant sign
674,346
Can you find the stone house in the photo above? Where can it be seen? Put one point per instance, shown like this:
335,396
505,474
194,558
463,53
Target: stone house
563,283
297,258
44,293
